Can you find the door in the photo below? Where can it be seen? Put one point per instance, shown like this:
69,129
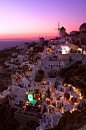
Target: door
51,66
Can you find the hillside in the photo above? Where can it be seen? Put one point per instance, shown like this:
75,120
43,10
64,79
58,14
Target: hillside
7,121
75,75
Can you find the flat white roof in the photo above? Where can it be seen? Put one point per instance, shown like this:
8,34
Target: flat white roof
51,79
34,82
69,107
74,94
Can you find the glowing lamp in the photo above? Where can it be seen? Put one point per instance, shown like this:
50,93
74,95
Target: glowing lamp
30,97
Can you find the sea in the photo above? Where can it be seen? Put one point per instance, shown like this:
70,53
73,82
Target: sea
12,43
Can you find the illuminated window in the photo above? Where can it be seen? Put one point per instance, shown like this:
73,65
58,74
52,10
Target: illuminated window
30,97
84,53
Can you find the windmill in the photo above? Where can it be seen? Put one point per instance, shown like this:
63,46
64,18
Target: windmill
58,28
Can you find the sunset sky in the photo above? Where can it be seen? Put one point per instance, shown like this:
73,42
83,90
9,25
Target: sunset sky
34,18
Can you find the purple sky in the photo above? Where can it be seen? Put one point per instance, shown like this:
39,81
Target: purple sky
34,18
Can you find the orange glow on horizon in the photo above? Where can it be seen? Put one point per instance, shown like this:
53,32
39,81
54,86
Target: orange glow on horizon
34,19
28,35
35,35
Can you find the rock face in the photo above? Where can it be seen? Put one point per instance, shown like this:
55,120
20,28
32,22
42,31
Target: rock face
75,75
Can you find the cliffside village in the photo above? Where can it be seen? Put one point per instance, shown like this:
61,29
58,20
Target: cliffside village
36,90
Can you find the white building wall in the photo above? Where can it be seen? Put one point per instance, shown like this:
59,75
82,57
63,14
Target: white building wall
21,57
44,62
52,84
42,88
62,32
64,101
54,64
24,82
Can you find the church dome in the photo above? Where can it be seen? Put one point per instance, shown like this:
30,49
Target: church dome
82,27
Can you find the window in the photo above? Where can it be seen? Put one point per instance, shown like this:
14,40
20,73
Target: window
62,89
38,84
34,85
42,91
29,85
31,90
44,86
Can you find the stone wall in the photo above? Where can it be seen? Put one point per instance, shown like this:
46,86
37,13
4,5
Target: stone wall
23,119
74,56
